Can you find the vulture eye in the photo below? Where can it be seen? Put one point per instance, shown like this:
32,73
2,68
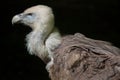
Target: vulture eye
30,14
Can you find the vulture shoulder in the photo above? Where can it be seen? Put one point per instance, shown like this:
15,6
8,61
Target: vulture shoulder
82,58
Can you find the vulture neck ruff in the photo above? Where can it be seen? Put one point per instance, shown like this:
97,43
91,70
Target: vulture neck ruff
36,41
41,42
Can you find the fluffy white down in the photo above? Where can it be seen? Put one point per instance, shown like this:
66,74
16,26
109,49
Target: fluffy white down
38,45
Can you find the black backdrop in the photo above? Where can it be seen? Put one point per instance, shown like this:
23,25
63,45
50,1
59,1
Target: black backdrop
97,19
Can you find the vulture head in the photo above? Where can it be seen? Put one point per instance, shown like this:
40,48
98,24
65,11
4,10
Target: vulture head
35,17
44,37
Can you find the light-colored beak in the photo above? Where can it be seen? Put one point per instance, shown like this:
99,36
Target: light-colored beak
16,19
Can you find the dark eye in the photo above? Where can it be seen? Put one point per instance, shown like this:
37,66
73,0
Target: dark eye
30,14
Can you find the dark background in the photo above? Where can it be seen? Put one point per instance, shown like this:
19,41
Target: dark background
97,19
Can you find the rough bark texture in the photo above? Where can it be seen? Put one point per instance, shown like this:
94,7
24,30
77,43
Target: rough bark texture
82,58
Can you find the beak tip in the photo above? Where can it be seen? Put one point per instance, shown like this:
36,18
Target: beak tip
15,19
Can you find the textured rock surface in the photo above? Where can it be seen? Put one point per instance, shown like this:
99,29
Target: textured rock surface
82,58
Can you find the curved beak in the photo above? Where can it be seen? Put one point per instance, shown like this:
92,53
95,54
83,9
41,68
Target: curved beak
17,18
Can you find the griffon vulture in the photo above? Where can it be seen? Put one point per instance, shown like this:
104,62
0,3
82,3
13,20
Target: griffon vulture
73,57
